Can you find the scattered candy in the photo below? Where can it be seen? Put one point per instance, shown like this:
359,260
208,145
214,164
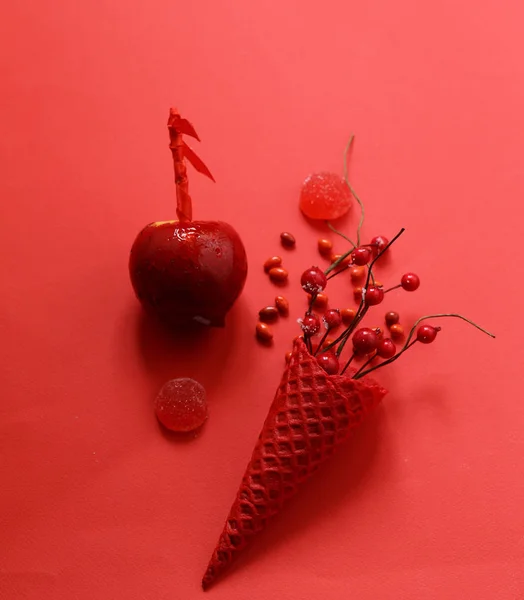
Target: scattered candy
325,247
181,405
268,314
287,240
263,332
392,318
282,305
278,275
357,274
273,261
397,331
348,315
324,196
320,302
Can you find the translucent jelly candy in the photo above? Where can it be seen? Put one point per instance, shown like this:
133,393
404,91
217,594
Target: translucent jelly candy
324,196
181,405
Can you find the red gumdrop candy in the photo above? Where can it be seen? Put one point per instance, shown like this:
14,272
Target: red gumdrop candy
181,405
324,196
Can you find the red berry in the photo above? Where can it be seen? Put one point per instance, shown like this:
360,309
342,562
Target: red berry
324,196
386,348
410,282
313,280
310,325
332,318
361,256
427,334
374,295
378,244
181,405
329,362
365,340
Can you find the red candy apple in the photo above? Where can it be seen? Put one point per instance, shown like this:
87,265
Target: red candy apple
187,271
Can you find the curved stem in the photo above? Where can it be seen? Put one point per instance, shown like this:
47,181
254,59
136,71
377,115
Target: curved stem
346,179
347,364
355,376
334,265
395,287
409,343
322,340
362,309
356,321
343,235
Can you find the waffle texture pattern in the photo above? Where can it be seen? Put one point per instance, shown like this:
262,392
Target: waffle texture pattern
312,413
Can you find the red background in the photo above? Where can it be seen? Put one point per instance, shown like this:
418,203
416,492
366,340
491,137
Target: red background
95,503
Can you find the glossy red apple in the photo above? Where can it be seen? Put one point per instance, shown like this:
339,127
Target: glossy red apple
187,271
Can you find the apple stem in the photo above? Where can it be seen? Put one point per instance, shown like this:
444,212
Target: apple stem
184,209
180,151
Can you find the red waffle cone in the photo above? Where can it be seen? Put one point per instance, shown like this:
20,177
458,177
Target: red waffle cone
312,413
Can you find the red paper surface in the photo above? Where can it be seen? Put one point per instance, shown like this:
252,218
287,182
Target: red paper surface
95,502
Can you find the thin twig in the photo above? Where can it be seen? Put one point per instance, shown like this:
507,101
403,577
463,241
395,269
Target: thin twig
362,309
323,339
347,364
343,235
408,343
346,179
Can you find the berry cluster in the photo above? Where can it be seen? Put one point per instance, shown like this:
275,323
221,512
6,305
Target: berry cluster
368,344
326,196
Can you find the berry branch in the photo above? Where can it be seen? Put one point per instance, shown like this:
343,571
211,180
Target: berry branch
367,343
408,344
362,309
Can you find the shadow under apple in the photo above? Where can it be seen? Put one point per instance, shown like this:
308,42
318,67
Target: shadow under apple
201,353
